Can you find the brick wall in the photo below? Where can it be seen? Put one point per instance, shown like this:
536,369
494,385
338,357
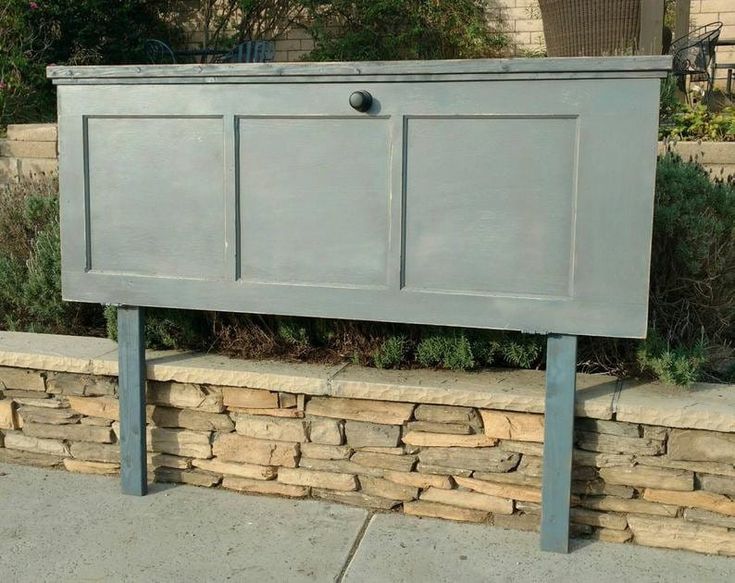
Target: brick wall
706,11
653,465
28,152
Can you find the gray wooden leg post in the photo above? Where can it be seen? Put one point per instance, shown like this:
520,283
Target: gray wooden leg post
561,384
131,352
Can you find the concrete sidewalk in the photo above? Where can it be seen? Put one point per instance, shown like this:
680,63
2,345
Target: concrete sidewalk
56,526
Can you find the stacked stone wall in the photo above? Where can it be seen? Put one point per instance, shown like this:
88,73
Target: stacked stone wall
637,482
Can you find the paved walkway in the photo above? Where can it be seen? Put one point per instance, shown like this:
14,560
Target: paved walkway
56,526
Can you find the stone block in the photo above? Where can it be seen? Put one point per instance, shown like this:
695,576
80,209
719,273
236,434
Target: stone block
707,517
681,534
190,419
85,467
181,442
435,427
718,484
605,443
326,452
156,460
41,401
400,463
702,446
37,168
364,434
648,477
251,471
444,414
45,416
418,480
383,412
608,427
285,413
35,132
601,460
311,478
21,379
95,452
442,470
8,416
627,506
515,426
339,466
698,499
603,519
98,421
522,447
8,170
355,499
62,383
249,398
27,458
186,396
103,407
325,431
18,440
435,510
488,459
598,487
509,478
271,428
237,448
662,461
387,489
192,477
507,491
264,487
389,450
470,500
69,432
420,439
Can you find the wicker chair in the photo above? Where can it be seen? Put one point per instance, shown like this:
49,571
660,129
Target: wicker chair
590,28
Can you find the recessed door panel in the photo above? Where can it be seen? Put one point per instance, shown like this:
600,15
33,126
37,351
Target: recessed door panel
314,196
489,205
155,196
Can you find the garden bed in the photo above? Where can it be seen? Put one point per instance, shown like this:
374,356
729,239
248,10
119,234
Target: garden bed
653,464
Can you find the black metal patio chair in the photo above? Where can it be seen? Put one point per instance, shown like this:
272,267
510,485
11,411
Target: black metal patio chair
695,57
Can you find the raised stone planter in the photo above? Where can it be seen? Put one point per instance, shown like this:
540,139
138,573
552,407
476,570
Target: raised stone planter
28,152
717,157
653,464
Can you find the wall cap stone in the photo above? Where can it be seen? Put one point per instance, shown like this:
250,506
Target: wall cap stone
702,406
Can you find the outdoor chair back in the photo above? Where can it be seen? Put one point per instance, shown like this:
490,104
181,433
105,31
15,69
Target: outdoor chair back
694,56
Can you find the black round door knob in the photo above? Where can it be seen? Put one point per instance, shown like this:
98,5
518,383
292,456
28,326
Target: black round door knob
361,101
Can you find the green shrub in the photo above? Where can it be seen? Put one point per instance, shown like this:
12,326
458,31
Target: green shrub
30,265
167,328
391,353
364,30
74,32
681,365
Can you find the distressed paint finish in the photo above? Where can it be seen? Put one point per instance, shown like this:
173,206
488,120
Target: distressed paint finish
561,384
131,343
482,193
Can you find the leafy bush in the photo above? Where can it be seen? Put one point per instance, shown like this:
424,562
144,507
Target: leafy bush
78,32
30,265
391,353
698,122
364,30
166,328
